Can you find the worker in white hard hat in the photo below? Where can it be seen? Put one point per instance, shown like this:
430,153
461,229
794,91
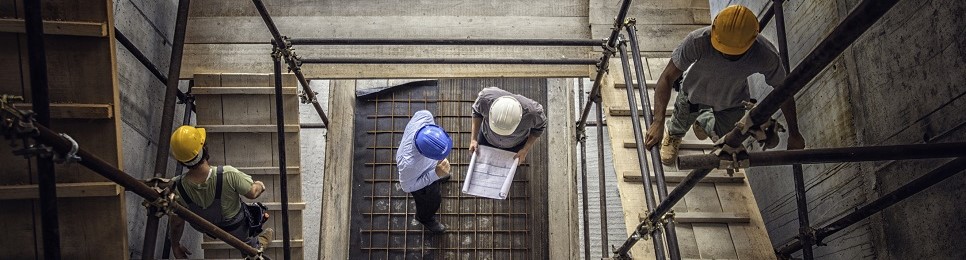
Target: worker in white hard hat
506,121
214,193
711,68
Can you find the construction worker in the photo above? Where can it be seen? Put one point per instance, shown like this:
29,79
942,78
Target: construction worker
717,61
421,160
213,193
509,122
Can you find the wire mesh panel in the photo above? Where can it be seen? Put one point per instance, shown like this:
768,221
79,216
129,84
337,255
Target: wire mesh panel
383,221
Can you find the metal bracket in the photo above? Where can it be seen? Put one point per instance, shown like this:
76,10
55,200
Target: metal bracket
730,157
70,156
162,205
256,257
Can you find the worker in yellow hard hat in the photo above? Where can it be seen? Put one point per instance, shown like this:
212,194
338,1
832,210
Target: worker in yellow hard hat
710,68
214,193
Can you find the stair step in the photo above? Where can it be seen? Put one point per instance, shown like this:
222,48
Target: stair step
640,112
275,243
708,217
716,176
686,144
649,84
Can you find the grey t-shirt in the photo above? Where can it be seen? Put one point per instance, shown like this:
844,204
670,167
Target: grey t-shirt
711,79
532,123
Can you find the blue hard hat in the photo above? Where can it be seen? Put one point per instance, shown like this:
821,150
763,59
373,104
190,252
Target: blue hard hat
433,142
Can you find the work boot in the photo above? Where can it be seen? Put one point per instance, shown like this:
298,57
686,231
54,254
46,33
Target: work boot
699,131
669,149
434,226
265,238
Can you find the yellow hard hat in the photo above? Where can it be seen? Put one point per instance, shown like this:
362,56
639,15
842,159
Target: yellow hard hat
734,30
187,143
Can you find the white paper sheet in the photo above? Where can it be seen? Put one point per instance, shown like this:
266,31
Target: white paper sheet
490,173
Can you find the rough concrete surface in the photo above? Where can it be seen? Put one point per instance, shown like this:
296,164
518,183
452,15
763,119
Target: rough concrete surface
312,141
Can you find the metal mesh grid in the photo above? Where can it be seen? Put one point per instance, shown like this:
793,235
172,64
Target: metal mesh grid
478,228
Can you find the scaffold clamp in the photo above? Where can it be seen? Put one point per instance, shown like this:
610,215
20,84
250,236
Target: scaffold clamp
70,156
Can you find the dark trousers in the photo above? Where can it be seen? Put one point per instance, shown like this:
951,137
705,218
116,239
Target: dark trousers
481,140
427,202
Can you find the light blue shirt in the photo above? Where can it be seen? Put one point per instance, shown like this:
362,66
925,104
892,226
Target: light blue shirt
415,170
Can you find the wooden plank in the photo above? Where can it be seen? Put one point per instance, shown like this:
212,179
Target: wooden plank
73,28
64,190
717,176
714,240
76,111
206,80
707,217
686,144
214,58
563,209
751,239
548,8
268,170
657,37
275,243
240,91
248,149
291,205
627,112
251,29
337,181
249,129
247,80
649,84
248,109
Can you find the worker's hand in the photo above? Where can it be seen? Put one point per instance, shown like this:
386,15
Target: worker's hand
180,251
795,140
654,134
473,146
442,168
522,155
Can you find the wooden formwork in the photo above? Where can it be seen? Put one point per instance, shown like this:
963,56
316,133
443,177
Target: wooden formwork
238,112
84,104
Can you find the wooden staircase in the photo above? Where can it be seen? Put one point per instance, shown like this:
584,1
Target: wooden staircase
718,219
238,111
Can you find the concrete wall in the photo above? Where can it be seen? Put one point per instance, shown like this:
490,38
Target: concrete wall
902,82
149,25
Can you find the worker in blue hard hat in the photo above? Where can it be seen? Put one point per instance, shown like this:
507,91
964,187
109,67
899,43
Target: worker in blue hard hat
421,160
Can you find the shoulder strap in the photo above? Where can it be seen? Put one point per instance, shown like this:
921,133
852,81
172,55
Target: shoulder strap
219,178
184,195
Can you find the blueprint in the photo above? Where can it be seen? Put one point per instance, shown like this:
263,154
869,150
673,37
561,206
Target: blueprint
490,173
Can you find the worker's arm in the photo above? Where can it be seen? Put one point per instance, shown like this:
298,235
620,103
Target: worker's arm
257,188
662,95
522,154
474,132
175,229
795,139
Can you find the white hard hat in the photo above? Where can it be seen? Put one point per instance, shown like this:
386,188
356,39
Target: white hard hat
505,114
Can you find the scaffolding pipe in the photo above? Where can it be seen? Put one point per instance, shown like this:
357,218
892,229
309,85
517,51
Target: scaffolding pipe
656,236
62,146
912,188
863,16
282,175
604,63
40,99
674,252
583,179
293,64
167,121
144,60
601,180
503,42
765,18
564,61
833,155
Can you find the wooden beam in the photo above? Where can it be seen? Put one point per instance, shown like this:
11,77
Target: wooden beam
64,190
709,217
74,28
275,243
716,176
269,170
640,112
248,128
240,91
278,205
76,111
649,84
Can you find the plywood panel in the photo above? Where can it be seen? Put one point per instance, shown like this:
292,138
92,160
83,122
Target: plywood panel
652,37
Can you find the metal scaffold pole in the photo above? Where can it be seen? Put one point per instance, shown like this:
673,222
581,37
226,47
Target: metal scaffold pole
583,179
282,171
656,236
490,42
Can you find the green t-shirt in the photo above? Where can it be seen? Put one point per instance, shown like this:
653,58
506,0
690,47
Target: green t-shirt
235,184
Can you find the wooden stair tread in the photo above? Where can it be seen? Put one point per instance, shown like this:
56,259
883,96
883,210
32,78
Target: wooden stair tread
240,91
291,128
716,176
277,243
640,112
686,144
708,217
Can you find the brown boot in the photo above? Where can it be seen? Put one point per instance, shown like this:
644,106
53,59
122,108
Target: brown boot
669,149
265,238
699,131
